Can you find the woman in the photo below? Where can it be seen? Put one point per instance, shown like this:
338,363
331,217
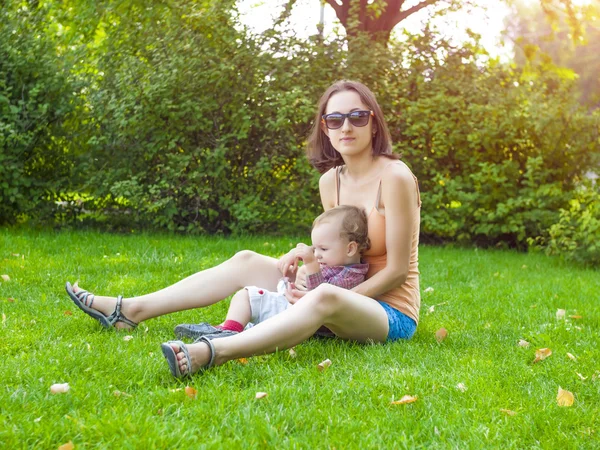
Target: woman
350,145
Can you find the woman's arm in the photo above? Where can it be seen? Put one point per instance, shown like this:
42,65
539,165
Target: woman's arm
327,189
399,198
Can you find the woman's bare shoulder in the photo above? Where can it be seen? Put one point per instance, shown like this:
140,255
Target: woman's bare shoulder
327,188
397,172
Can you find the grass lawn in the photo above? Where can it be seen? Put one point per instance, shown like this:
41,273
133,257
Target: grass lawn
476,389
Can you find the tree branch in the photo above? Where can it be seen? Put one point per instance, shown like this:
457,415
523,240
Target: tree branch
401,15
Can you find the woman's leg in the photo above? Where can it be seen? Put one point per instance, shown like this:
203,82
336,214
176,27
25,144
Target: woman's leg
198,290
348,314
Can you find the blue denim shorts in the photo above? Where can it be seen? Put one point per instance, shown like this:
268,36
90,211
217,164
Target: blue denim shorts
401,326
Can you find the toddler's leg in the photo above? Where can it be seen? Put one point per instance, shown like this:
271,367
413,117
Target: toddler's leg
239,312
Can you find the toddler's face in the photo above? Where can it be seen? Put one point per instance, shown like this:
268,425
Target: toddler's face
330,248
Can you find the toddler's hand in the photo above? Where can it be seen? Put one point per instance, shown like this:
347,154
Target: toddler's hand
305,253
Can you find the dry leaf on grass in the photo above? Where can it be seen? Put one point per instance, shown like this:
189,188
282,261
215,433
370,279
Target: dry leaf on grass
68,446
293,353
191,392
431,309
461,387
10,300
323,365
243,360
508,412
576,316
59,388
560,314
5,277
564,398
429,289
541,354
127,338
68,313
406,399
523,343
261,395
571,356
441,334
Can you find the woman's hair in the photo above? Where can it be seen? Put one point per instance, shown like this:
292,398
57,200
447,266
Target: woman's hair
353,224
321,153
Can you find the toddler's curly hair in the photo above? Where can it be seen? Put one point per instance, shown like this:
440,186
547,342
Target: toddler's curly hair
354,224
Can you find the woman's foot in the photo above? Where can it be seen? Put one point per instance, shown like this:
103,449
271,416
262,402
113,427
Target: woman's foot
109,311
185,360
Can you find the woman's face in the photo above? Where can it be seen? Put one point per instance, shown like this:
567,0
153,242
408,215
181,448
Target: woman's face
349,140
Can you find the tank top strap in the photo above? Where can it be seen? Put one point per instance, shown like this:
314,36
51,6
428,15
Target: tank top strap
337,185
378,198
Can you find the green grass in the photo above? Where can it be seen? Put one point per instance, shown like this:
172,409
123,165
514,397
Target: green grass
487,300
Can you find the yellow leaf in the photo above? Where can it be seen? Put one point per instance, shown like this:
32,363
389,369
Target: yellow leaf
508,412
541,354
406,399
190,392
564,398
441,334
261,395
243,361
323,365
68,446
68,313
576,316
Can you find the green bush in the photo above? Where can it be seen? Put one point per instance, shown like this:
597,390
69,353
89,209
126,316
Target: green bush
36,104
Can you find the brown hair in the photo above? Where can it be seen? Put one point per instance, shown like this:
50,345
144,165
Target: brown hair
321,153
354,224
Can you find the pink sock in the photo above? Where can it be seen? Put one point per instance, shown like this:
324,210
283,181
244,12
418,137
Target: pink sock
232,325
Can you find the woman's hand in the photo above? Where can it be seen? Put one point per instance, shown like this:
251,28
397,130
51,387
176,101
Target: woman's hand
288,264
293,295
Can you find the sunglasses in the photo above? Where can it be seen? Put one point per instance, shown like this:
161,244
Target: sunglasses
357,119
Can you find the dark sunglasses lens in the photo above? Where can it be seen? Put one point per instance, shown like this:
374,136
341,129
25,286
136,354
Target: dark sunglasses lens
359,118
334,121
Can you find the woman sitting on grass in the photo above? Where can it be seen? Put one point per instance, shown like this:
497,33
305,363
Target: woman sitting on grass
350,145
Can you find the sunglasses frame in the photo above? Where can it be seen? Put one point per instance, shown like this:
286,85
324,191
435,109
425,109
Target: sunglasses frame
346,116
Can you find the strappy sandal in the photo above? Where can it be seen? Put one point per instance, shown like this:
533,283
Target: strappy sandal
84,300
173,362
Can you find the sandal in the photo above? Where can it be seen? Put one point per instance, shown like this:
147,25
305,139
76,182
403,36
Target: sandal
84,300
173,362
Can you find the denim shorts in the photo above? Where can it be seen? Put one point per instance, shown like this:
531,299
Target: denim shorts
401,326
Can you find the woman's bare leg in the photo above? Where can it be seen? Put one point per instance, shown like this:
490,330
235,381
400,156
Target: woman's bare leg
346,313
198,290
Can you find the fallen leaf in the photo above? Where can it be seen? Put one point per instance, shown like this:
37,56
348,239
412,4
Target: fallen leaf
323,365
581,376
10,300
406,399
508,412
431,309
541,354
576,316
441,334
429,289
523,343
461,387
59,388
564,398
571,356
293,353
190,392
243,361
560,314
68,446
68,313
15,254
261,395
5,277
127,338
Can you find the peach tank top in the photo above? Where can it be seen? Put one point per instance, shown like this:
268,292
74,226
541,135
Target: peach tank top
406,298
